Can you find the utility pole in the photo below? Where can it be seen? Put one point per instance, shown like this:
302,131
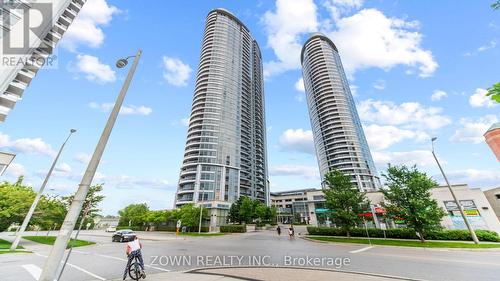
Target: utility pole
201,209
54,259
27,219
459,206
85,212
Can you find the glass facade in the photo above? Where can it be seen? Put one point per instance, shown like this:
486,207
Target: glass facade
225,154
339,139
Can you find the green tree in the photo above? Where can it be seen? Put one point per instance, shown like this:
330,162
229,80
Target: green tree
190,215
50,212
496,5
93,199
247,210
344,200
234,211
408,196
261,211
15,201
133,215
273,214
157,217
494,92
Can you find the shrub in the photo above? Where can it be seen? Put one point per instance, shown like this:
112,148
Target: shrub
166,228
233,228
134,228
487,235
407,233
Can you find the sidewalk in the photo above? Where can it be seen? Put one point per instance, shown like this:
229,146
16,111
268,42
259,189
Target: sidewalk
270,274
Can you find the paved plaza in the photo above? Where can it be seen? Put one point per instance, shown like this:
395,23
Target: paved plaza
257,256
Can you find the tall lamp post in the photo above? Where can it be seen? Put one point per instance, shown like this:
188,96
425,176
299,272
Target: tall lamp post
460,208
201,209
54,259
38,195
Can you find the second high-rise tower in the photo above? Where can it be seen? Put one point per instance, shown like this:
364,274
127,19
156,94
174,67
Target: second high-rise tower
338,136
225,153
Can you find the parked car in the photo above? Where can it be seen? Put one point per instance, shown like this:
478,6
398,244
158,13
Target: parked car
123,235
111,229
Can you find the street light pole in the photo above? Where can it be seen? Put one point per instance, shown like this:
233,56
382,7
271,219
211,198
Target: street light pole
460,208
38,196
201,210
54,259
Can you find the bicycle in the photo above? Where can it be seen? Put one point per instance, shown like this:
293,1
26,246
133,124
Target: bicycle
134,270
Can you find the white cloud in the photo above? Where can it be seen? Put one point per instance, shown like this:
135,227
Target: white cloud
379,85
175,71
381,137
438,95
64,168
416,157
474,177
472,130
336,8
354,90
15,170
82,158
309,172
185,121
125,109
27,145
371,39
365,39
129,182
299,85
284,26
94,70
479,99
86,28
297,140
408,114
492,44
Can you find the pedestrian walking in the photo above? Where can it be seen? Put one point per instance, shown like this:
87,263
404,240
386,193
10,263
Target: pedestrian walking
278,229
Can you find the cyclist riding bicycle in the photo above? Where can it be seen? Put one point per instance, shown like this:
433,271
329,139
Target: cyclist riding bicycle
133,250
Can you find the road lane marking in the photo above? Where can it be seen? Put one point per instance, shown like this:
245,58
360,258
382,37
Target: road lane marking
34,270
76,267
361,250
116,258
125,260
88,272
158,268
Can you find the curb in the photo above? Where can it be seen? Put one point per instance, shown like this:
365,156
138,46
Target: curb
403,247
199,271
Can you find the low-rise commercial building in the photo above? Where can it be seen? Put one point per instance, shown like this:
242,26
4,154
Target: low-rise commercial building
308,205
104,222
493,196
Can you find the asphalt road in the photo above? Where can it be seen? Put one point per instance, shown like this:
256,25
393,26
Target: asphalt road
165,252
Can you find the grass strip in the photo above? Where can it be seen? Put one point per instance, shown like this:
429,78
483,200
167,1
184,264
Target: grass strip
407,243
49,240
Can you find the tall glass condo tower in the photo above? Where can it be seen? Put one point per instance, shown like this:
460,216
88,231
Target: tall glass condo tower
339,139
225,153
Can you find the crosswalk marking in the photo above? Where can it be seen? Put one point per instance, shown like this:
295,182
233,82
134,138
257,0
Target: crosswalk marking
34,270
361,250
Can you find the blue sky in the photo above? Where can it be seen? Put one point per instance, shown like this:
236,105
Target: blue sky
417,70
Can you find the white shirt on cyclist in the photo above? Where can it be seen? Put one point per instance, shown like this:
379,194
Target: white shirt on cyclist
133,245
